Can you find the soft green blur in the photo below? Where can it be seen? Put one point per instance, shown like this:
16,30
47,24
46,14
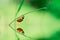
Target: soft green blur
38,25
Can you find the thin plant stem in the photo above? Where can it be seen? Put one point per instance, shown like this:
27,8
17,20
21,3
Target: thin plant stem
16,15
23,15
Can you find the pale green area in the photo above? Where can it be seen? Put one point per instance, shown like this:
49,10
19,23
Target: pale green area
38,24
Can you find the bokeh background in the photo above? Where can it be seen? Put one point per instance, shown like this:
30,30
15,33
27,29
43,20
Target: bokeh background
41,24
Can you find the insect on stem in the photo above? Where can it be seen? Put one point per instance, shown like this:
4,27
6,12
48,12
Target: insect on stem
21,16
16,15
25,14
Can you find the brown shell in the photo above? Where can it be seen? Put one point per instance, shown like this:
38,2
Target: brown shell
20,30
20,19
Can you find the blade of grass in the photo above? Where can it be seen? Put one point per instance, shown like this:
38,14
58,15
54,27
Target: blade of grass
25,14
22,15
16,15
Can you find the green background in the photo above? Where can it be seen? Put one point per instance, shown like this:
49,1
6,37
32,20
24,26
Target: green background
38,25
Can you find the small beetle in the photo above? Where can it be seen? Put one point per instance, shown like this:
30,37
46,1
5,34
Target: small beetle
20,19
20,30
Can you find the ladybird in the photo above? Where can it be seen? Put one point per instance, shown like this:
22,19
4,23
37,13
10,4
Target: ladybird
20,19
20,30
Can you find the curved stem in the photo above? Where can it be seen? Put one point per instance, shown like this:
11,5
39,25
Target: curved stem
20,16
25,14
16,15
